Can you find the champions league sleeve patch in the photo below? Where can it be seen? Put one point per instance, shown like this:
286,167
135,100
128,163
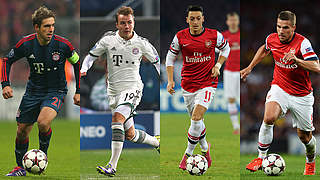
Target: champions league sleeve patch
11,53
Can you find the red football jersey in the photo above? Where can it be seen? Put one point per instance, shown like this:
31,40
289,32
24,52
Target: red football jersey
198,53
290,77
233,61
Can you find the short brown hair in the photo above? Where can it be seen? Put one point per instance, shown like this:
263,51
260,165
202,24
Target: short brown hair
232,14
124,10
40,14
288,15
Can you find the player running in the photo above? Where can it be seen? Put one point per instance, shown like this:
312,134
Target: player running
199,74
291,92
231,74
46,54
124,49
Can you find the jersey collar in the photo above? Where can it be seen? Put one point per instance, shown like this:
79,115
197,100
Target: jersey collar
203,30
123,41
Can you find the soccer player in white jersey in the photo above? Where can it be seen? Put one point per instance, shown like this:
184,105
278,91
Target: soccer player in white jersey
199,75
124,50
291,92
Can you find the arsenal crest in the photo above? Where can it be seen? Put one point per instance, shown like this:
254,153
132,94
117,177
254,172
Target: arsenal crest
208,43
56,56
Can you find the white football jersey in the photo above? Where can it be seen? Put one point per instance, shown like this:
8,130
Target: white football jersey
123,60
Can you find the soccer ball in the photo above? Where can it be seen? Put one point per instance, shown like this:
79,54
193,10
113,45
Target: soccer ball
197,165
273,165
35,161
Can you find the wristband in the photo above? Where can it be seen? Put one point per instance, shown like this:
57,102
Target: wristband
218,65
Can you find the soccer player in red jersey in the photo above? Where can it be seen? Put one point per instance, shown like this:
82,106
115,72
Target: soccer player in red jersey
199,74
231,74
291,91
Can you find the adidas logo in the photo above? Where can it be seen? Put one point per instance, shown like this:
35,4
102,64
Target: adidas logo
113,49
31,56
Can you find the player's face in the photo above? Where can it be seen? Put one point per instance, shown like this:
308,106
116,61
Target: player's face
45,31
125,26
285,30
195,20
233,23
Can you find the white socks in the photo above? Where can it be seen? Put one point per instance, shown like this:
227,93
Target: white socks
265,139
311,150
233,112
196,133
144,138
117,142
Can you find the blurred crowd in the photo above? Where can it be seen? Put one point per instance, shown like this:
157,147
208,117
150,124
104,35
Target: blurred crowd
15,22
257,22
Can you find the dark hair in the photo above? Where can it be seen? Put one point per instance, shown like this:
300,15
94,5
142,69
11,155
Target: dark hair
288,15
232,14
40,14
194,8
124,10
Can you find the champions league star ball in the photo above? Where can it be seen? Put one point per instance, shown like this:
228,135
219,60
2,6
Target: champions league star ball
35,161
197,165
273,165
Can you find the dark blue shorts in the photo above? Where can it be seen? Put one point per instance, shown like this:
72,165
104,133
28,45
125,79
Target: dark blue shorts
32,103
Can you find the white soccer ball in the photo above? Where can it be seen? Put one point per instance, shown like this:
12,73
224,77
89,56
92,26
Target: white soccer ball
273,165
35,161
197,165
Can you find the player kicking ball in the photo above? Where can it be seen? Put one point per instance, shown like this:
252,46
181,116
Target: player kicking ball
46,54
199,74
291,92
124,49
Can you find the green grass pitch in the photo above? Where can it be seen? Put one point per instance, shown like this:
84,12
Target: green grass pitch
294,169
63,153
224,150
133,164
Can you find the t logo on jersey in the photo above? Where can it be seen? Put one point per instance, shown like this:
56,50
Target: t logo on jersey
38,67
117,59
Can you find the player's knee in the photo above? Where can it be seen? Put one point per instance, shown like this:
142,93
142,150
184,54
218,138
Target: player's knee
43,126
196,117
270,119
232,100
22,133
118,117
305,137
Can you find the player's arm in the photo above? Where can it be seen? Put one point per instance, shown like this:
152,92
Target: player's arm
224,49
260,54
99,48
151,54
74,60
14,55
170,58
310,60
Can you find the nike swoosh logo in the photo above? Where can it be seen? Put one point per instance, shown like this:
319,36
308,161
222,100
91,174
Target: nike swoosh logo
184,45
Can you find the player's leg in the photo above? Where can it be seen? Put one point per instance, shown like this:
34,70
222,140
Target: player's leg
271,114
21,147
231,88
233,112
139,136
309,143
45,118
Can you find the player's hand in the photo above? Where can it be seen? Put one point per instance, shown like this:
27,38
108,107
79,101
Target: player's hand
215,72
83,74
7,92
76,99
244,73
289,57
170,88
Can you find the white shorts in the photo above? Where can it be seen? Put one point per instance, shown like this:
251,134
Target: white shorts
131,98
202,97
231,84
298,109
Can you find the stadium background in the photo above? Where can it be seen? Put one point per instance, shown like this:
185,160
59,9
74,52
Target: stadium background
258,20
174,118
15,22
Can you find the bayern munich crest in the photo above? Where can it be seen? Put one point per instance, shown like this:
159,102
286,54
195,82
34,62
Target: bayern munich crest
56,56
208,43
135,51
